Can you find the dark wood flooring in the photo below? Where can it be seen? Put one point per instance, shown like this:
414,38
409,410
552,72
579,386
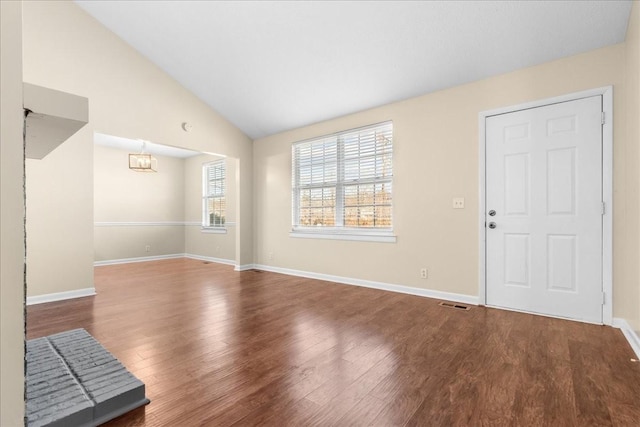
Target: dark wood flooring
217,348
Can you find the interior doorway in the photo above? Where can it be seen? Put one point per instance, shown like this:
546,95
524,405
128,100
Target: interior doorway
160,213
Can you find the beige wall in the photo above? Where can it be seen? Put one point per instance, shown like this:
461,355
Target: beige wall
632,305
122,195
59,239
221,246
11,217
122,242
66,49
436,159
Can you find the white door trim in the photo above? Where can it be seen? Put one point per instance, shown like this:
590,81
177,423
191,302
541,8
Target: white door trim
607,189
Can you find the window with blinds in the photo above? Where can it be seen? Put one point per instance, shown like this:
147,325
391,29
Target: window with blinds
343,182
213,194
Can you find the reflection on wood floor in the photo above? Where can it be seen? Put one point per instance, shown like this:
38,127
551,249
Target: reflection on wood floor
218,347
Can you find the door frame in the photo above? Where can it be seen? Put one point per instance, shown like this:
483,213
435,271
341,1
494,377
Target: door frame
607,189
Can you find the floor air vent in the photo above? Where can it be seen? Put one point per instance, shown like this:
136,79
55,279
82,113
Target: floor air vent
454,305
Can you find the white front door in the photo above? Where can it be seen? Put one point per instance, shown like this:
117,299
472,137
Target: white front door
544,197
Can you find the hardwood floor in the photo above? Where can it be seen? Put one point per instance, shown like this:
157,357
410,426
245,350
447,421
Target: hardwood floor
217,347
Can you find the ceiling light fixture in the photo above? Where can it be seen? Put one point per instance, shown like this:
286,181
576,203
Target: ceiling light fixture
143,162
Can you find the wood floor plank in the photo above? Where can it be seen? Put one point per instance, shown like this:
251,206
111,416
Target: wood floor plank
364,413
216,347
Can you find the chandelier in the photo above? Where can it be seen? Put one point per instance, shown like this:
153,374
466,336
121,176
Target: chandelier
143,162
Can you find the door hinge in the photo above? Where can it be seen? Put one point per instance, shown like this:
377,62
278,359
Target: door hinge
602,120
603,208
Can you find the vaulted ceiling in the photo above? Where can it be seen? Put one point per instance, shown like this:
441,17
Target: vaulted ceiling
272,66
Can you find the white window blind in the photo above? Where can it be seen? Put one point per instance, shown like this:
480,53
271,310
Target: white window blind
343,182
214,191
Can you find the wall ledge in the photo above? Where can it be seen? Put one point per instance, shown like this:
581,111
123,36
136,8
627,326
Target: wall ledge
428,293
139,224
60,296
54,117
629,334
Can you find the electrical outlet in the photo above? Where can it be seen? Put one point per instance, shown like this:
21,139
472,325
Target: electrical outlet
424,273
270,256
458,203
147,248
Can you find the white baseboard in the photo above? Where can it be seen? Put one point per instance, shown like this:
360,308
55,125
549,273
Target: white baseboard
429,293
211,259
60,296
161,257
138,259
244,267
629,334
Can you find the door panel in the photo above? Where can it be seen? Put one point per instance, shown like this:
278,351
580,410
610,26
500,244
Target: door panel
544,180
516,259
517,181
561,181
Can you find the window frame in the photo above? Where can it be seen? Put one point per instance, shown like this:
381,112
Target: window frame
339,232
206,226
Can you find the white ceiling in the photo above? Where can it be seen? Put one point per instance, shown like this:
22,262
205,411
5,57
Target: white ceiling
135,146
272,66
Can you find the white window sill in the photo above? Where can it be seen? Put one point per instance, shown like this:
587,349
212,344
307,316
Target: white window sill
379,236
214,230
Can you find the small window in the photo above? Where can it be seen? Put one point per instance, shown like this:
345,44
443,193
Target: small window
213,194
342,183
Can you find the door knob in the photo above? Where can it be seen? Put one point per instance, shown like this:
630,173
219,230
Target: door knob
492,225
492,212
